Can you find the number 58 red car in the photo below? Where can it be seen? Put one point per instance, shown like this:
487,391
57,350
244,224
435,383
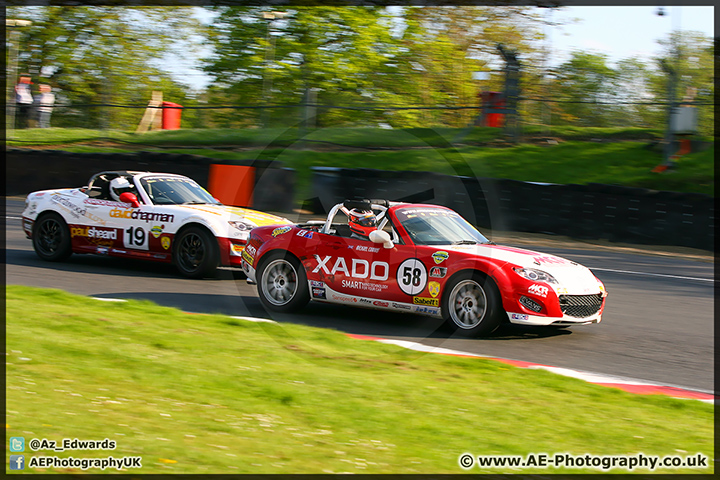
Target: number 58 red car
417,258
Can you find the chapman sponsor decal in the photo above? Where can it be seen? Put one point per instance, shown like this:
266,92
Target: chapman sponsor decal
358,268
538,290
429,302
518,316
92,232
434,289
135,214
305,233
247,257
438,272
165,242
379,303
440,257
280,231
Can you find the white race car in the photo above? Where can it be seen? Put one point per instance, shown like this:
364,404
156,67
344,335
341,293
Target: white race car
160,217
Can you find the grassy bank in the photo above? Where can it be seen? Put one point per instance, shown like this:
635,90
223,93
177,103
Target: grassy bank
574,155
212,394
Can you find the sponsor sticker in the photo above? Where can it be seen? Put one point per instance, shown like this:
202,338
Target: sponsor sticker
550,260
431,302
165,242
251,250
518,316
359,268
343,298
157,230
379,303
434,289
365,300
440,257
540,290
402,306
237,249
304,233
102,250
427,310
135,214
438,272
247,257
365,248
92,232
280,231
318,292
314,283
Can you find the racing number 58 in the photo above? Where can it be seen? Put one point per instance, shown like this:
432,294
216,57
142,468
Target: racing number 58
412,276
136,237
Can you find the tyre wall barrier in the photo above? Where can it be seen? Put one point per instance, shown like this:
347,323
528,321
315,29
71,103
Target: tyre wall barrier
593,211
29,170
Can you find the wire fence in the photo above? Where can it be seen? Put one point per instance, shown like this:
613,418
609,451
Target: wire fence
312,115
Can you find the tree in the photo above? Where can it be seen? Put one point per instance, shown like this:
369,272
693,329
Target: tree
102,55
584,83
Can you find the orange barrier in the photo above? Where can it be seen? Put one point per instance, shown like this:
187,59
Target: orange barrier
232,184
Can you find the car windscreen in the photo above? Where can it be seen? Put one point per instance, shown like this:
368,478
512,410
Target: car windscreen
175,191
438,226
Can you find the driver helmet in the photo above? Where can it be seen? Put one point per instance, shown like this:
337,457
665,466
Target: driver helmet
362,222
119,186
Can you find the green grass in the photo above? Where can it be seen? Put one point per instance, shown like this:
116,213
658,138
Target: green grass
212,394
621,157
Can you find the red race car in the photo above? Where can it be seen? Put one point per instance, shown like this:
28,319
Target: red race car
417,258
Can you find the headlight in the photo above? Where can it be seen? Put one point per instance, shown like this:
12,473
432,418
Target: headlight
242,226
535,275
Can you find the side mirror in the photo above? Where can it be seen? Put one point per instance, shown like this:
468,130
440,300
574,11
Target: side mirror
131,198
381,236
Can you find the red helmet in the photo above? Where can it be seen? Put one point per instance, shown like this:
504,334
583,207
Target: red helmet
362,222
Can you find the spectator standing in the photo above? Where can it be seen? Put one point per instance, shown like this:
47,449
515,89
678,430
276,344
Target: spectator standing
23,101
45,103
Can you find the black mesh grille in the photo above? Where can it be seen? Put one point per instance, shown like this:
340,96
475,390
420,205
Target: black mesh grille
580,306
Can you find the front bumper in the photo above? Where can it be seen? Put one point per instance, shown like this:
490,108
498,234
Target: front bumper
564,321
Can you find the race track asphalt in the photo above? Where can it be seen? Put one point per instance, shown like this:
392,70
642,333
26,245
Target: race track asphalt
657,326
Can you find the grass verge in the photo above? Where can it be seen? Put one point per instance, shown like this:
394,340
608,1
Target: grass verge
212,394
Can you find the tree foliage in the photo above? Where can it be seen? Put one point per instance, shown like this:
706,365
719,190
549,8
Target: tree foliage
102,55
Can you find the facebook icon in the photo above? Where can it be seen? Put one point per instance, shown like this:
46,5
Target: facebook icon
17,462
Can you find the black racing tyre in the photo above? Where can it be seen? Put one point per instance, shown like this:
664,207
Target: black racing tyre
196,253
51,237
281,283
472,305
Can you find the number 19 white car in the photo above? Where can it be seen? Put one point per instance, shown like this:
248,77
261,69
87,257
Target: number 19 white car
160,217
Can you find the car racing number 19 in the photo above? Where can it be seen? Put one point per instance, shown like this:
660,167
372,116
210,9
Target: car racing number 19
135,237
